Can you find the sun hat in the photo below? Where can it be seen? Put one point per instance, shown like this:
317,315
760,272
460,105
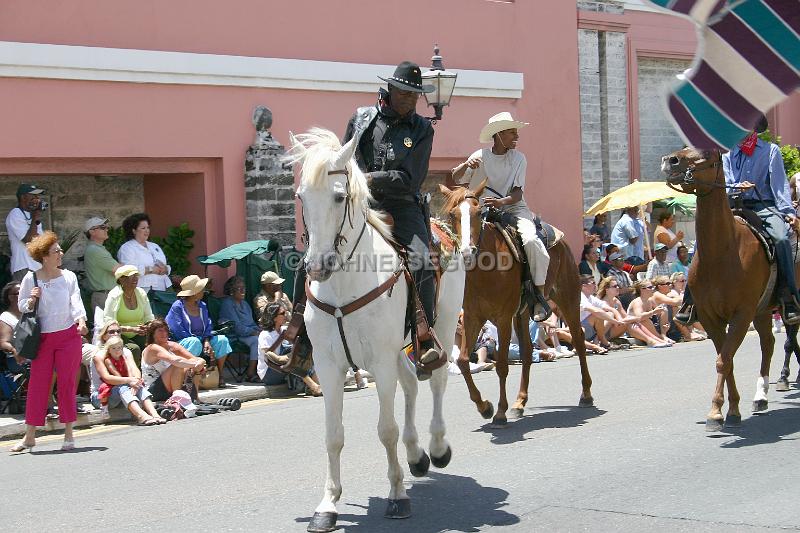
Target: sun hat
408,77
499,122
185,401
192,285
269,278
28,188
660,246
94,222
125,271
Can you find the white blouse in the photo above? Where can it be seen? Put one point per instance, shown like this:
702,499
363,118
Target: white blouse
133,253
60,305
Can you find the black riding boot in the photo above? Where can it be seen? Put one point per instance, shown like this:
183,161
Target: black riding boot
787,291
426,291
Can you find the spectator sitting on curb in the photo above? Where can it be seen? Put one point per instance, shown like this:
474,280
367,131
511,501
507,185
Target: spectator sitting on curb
122,382
273,320
589,262
564,335
190,324
98,263
643,308
166,365
596,315
8,321
23,223
271,292
665,294
609,288
235,309
659,266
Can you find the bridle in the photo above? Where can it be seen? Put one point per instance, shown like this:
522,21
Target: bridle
482,218
339,239
688,179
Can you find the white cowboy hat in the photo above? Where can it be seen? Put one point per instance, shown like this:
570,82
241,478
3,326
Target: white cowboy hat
499,122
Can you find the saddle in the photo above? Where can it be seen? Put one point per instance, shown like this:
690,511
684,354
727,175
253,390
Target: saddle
750,218
506,224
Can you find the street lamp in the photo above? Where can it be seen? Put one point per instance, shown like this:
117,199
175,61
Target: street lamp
443,82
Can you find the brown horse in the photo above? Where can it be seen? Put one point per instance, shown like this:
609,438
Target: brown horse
492,292
728,276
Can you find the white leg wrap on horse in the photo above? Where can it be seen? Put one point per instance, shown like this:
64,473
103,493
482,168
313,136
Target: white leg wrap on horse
538,258
762,388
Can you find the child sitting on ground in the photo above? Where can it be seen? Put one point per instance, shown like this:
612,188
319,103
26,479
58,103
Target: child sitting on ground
113,359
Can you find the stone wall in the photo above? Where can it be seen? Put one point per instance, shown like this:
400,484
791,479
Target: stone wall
604,113
269,186
602,6
73,199
657,136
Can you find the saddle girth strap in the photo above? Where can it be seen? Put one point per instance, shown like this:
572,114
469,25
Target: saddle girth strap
340,312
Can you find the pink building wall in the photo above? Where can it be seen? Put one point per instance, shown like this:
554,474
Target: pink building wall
168,123
201,133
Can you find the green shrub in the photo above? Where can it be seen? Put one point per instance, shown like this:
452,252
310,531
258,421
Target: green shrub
116,238
790,153
177,245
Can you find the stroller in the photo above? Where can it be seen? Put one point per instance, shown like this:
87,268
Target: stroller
13,387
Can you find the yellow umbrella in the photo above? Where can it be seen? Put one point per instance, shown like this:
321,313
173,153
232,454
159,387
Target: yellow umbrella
636,194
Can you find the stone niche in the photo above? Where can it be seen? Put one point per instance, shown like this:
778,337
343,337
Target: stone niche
269,185
73,199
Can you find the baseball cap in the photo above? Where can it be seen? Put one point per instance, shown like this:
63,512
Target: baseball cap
29,188
270,277
94,222
616,255
660,246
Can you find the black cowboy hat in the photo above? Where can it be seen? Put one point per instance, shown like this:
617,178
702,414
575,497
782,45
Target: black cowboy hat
408,77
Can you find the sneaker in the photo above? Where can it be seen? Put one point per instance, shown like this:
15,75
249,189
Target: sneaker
362,383
104,412
565,352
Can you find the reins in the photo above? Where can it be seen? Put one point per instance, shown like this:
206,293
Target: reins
340,312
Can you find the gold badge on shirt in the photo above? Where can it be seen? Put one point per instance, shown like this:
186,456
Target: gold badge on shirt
407,142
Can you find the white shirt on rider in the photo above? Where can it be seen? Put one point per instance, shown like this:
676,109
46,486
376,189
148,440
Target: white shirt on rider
504,173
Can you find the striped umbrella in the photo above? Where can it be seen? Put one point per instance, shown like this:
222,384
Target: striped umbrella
748,61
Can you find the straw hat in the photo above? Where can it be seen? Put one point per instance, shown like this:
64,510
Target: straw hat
500,122
269,277
125,271
192,285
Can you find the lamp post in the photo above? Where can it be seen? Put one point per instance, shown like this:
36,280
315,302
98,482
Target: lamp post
442,80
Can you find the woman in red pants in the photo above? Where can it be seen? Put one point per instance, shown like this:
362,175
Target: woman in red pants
63,322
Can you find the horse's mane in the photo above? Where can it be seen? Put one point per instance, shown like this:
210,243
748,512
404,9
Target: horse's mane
314,150
454,199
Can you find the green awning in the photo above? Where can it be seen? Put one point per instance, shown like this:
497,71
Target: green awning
241,250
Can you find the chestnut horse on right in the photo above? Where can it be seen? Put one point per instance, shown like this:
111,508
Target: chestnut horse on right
728,278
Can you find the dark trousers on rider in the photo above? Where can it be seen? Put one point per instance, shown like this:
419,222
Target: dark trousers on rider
412,230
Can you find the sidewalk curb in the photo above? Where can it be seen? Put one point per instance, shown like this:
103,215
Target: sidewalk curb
14,425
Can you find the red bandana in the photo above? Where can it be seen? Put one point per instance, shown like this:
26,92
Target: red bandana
748,145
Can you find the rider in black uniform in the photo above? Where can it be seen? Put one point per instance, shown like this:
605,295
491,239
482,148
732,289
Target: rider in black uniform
394,148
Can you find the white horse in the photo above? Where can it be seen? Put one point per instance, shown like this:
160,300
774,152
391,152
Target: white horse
348,255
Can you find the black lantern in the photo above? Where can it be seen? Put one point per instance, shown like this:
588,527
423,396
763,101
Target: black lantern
443,81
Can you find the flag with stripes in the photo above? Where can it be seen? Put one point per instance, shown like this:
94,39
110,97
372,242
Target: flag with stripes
748,61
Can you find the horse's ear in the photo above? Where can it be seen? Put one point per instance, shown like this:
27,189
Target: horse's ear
345,154
479,191
444,190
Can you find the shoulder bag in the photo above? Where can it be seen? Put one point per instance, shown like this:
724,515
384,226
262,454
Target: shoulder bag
27,332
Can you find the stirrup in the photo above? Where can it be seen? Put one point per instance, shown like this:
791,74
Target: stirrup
790,313
686,315
540,310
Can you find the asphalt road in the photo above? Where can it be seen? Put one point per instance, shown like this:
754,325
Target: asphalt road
639,461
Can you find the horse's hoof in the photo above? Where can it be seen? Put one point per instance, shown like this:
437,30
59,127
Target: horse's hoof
417,470
713,425
760,405
444,460
488,411
322,522
733,421
782,385
586,402
499,423
398,509
516,412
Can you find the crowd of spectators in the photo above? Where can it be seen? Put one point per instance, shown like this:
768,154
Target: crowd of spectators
134,357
